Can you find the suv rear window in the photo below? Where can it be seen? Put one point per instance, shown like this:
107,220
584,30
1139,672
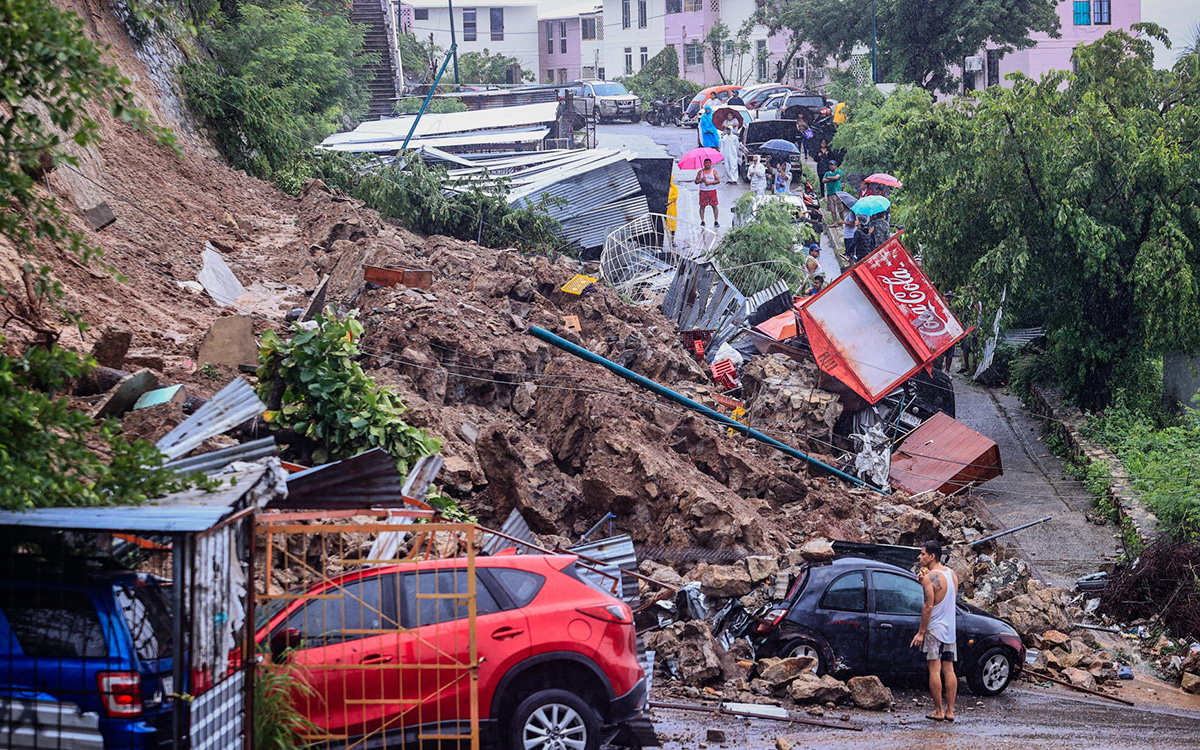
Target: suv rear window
806,101
522,586
147,611
54,623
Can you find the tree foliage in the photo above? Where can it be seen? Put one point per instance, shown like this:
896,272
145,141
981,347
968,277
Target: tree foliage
490,68
729,51
313,385
421,58
763,249
1079,194
659,79
871,135
918,41
284,75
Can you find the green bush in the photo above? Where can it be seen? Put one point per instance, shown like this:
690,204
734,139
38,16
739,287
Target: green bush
760,252
411,105
284,76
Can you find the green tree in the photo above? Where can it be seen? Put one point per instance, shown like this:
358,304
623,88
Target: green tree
875,126
1079,195
421,58
659,79
918,41
51,75
284,76
729,51
491,68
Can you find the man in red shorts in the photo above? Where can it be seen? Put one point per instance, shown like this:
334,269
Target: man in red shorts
708,179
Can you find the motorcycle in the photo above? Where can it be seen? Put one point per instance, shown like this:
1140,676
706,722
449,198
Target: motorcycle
663,113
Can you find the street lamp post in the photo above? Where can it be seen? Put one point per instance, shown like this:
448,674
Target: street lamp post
874,69
454,44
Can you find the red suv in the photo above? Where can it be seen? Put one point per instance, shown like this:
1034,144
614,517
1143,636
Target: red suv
558,666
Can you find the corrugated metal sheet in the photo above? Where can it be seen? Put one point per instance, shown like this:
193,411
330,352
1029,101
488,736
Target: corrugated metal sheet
482,141
476,100
514,526
48,725
369,134
615,553
233,405
194,510
214,461
944,454
368,480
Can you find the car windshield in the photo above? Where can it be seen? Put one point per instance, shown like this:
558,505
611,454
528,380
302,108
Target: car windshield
609,89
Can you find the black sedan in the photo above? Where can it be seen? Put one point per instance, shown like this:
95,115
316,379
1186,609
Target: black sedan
858,616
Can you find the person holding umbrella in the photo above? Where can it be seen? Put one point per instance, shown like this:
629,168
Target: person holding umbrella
708,179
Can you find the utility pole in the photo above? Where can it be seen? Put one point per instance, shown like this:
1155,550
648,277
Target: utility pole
453,43
874,69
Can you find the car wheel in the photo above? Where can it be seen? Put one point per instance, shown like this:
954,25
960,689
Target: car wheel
554,720
993,672
635,118
805,646
596,116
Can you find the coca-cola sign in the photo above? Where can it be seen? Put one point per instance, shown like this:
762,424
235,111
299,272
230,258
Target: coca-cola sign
902,285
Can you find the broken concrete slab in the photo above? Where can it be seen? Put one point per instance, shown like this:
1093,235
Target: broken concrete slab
230,341
217,278
122,396
112,347
316,305
175,394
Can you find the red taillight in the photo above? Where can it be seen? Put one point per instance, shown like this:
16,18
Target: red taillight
201,680
120,694
824,110
618,613
771,620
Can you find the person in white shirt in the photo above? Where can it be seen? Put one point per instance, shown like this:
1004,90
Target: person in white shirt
937,636
757,172
730,148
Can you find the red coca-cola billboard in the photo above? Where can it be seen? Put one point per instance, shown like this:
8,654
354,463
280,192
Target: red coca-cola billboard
879,322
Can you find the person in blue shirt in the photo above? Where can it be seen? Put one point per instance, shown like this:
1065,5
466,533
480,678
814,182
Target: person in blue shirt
709,137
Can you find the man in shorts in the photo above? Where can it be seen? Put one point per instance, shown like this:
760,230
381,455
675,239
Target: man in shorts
937,635
708,179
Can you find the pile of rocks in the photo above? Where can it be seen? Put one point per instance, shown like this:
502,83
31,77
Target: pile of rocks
1077,658
1189,673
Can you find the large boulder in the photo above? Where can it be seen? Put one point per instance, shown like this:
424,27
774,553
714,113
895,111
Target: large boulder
1052,638
817,549
1190,683
870,693
1036,612
726,581
782,392
699,658
782,671
1080,678
761,567
808,688
904,524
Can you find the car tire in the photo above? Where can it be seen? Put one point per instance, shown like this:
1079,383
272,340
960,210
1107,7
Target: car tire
802,645
992,672
550,715
635,118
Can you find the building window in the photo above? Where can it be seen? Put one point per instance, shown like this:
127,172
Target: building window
587,28
624,14
549,37
993,67
497,24
600,73
693,6
562,75
645,54
762,56
642,14
562,33
549,76
968,81
1102,12
629,61
1083,12
799,64
468,24
693,53
674,6
420,14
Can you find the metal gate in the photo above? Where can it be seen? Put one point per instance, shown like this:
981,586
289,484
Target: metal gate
368,625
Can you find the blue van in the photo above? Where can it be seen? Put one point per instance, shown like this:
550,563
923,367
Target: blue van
85,661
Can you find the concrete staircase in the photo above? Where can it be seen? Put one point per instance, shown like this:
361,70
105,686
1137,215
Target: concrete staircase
383,83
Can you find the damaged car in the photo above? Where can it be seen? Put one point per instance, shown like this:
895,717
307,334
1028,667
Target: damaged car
857,616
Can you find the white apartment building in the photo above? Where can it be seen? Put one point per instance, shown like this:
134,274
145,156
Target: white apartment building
509,27
634,31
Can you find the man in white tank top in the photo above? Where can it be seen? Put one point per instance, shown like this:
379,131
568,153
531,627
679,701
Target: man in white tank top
937,636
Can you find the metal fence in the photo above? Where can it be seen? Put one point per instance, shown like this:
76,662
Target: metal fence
368,626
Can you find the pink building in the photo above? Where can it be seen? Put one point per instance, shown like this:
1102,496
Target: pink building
568,43
1083,21
686,24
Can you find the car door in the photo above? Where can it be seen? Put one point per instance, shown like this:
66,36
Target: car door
436,647
897,600
345,648
843,620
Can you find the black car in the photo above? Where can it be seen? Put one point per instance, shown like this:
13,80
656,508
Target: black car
858,616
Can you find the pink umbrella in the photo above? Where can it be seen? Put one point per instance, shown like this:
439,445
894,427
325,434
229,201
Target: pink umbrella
883,178
694,159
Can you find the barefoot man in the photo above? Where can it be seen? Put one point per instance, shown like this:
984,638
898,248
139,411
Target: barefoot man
937,634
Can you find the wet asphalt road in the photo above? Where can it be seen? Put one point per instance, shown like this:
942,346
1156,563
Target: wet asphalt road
1025,718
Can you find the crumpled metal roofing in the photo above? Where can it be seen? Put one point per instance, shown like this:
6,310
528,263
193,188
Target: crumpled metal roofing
233,405
368,480
615,554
